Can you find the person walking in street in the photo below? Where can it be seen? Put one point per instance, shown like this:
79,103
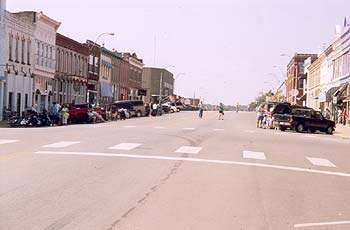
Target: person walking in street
201,110
221,111
64,115
259,117
54,113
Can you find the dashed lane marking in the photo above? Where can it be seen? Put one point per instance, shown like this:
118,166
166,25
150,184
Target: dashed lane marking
320,162
61,144
254,155
125,146
198,160
306,225
189,150
7,141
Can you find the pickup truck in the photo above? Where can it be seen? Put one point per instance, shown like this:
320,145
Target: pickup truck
302,120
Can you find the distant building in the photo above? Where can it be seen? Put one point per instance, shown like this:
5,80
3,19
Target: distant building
136,92
296,79
70,85
105,81
157,81
93,71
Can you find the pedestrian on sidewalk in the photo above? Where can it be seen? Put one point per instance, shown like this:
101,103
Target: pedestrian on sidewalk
65,114
221,111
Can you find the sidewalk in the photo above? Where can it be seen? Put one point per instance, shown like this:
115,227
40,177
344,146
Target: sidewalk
342,131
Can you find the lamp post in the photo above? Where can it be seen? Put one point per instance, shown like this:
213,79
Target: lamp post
98,37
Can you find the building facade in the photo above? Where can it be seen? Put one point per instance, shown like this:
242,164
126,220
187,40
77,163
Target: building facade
3,56
136,92
313,82
93,71
124,78
70,84
44,61
156,82
296,79
105,81
18,60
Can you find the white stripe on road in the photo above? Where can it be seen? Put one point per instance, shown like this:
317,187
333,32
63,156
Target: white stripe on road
129,126
61,144
188,128
217,130
320,162
254,155
6,141
260,165
320,224
189,150
159,127
125,146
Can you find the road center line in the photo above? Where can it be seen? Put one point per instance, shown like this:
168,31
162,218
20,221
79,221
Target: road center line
320,224
280,167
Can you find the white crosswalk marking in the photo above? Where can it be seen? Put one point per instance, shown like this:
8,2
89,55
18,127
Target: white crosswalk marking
188,128
189,150
125,146
217,130
320,162
61,144
254,155
7,141
159,127
129,126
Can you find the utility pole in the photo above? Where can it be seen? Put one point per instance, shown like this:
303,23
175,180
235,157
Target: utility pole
160,87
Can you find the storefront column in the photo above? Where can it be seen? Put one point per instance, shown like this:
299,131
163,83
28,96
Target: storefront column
2,92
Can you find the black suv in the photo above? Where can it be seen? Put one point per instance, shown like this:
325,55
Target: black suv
305,119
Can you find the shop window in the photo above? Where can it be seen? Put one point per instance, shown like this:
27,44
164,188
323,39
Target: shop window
26,100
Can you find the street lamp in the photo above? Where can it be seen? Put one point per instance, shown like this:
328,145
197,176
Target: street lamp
98,37
285,55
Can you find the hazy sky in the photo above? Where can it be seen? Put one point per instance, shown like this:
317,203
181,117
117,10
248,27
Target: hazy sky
226,48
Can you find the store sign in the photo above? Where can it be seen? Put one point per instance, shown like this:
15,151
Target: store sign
335,100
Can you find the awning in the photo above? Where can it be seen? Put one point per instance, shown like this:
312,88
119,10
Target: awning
347,99
106,89
330,93
340,90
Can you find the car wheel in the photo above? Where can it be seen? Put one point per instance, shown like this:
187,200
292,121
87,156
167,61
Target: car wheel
138,114
299,128
312,130
330,130
282,128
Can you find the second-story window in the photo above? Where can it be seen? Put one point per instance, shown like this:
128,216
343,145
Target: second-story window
10,46
38,53
23,50
16,49
29,44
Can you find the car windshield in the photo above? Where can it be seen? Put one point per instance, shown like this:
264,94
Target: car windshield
175,115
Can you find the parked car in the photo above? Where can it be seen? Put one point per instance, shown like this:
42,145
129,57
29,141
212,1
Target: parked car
78,113
134,107
305,119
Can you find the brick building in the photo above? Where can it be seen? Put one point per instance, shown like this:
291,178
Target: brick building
93,71
70,85
296,79
136,91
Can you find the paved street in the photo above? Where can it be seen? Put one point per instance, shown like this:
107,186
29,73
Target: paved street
173,172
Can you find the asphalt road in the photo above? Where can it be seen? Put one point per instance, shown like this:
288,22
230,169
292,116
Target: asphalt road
175,172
